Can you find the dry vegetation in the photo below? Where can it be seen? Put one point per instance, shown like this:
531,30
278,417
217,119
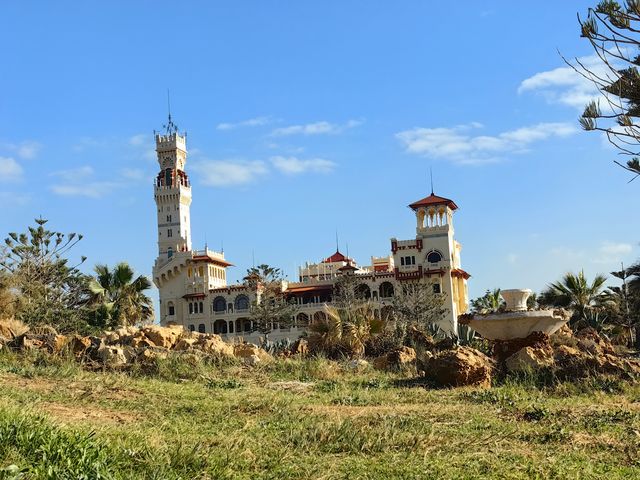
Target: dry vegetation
311,418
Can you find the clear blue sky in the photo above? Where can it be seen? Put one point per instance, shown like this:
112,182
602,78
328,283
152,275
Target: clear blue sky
304,118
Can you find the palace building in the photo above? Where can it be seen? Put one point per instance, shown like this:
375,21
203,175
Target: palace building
193,283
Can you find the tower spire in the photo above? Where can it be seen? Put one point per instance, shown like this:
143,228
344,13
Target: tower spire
337,243
170,127
431,175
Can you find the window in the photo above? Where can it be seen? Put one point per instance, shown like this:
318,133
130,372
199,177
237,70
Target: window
242,303
201,271
169,252
201,328
219,304
169,233
434,257
192,328
201,307
436,288
171,308
408,260
190,308
189,272
169,218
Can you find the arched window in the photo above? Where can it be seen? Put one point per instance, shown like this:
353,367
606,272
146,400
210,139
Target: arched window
220,326
167,177
201,328
190,308
219,304
192,328
386,290
201,307
171,309
169,252
434,257
363,291
242,303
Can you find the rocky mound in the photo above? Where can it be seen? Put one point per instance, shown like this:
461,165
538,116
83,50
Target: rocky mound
130,345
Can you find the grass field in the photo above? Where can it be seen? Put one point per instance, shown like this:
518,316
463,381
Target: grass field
304,419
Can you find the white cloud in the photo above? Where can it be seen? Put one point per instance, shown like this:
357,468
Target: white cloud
459,145
79,182
512,258
74,174
252,122
317,128
294,165
224,173
139,139
133,174
87,189
610,252
86,143
26,150
10,170
563,85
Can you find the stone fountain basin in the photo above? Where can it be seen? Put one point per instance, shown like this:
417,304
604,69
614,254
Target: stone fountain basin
512,325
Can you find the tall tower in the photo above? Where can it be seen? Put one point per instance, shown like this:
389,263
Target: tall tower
172,193
434,256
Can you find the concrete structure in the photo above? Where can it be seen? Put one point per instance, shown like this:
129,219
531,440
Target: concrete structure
193,283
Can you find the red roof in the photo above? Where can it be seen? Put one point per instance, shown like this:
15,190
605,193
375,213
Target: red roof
311,288
208,259
336,257
434,200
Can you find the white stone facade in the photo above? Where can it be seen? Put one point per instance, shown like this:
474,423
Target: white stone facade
193,284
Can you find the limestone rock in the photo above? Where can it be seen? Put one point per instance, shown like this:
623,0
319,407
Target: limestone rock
401,356
213,344
141,341
590,341
251,360
529,358
300,347
459,367
245,350
165,337
357,364
79,344
185,343
112,356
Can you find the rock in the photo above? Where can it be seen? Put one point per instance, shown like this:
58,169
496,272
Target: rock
10,328
141,341
79,344
112,356
396,358
251,360
529,358
185,343
357,364
503,349
590,341
401,356
300,347
244,350
165,337
213,345
380,363
149,355
459,367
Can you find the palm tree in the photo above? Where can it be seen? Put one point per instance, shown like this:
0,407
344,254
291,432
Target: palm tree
576,293
344,331
490,302
119,299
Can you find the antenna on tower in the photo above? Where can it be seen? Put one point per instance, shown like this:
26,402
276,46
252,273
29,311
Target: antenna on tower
170,127
337,243
431,175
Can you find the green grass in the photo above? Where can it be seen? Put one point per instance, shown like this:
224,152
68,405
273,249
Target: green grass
304,419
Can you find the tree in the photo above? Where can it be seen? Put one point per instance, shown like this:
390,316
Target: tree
490,302
625,302
271,304
612,29
119,299
48,290
416,305
576,293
